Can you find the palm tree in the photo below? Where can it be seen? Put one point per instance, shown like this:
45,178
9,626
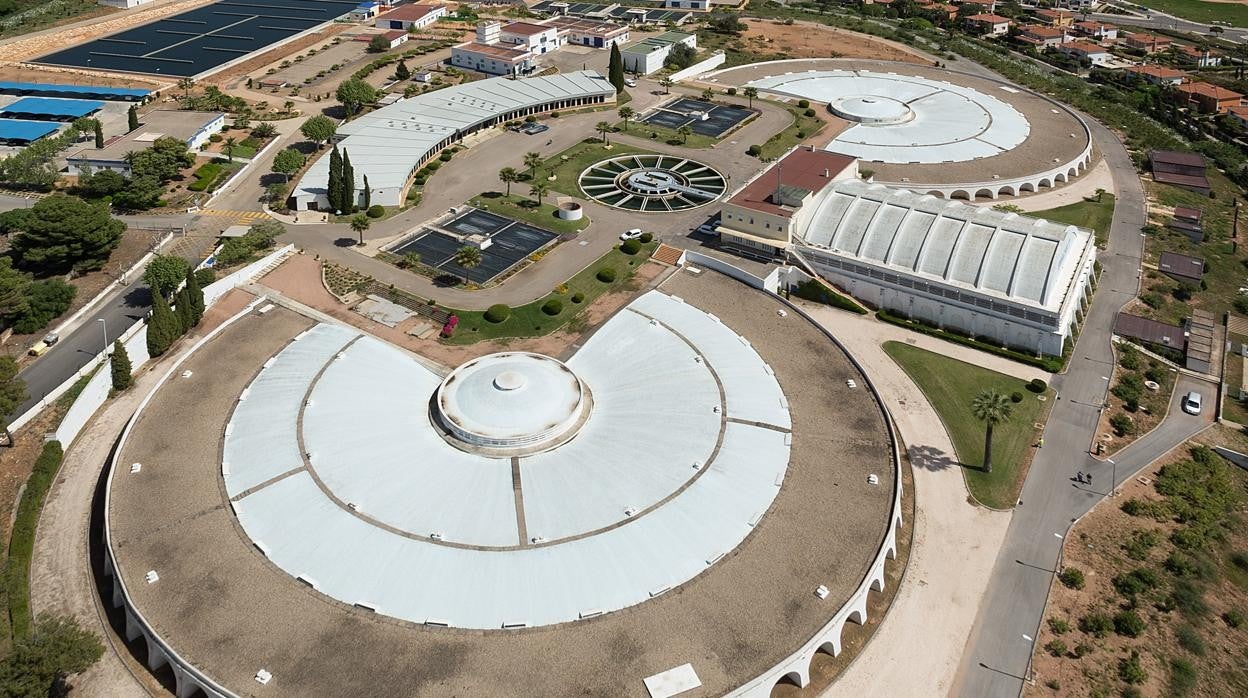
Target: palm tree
750,93
467,257
708,94
360,223
186,84
538,189
287,106
531,161
626,113
507,175
684,132
991,408
229,147
666,84
604,128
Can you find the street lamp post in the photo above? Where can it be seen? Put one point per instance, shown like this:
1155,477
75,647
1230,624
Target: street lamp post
104,322
1113,479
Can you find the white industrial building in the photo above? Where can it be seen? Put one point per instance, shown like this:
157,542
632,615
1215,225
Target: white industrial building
1016,280
391,143
192,127
648,55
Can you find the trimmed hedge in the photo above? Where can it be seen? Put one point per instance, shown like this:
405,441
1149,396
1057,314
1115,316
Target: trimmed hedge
552,307
375,211
606,275
1052,364
497,313
22,542
812,290
630,247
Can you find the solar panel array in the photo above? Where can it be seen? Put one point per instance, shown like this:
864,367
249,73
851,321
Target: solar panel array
207,37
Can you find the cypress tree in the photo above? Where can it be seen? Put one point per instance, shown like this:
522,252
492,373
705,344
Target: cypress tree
162,328
133,118
99,134
120,367
368,194
401,71
615,69
196,294
335,180
348,184
184,311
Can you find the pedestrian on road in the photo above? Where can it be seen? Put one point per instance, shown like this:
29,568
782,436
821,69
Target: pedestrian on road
1041,442
1079,476
1089,478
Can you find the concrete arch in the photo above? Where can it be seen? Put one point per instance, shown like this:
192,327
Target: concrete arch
1026,186
1046,182
794,678
1008,191
1059,177
985,193
937,194
1073,172
960,194
829,647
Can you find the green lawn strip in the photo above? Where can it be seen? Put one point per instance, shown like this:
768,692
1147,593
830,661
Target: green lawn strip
22,541
803,127
1095,216
523,208
243,151
950,386
530,321
568,165
662,134
1201,10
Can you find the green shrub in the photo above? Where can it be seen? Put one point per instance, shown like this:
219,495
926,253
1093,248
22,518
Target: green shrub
48,300
814,290
446,156
1037,385
1059,626
1140,542
1189,639
1135,582
630,247
1053,684
754,150
606,275
205,276
1048,363
552,307
22,540
216,138
1129,623
1130,671
1071,578
376,211
1188,599
1129,357
731,90
1132,692
1123,424
1182,565
1239,558
1082,649
646,238
1182,676
578,297
1057,648
497,313
1016,397
1234,618
809,112
803,104
1096,624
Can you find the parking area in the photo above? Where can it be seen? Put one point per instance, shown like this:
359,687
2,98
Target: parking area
510,242
112,117
705,118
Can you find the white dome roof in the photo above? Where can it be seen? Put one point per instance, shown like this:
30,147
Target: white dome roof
511,400
872,109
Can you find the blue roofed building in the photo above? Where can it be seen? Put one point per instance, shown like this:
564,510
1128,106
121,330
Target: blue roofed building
50,109
39,89
19,132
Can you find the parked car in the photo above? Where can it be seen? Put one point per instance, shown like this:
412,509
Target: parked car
631,234
1191,403
630,82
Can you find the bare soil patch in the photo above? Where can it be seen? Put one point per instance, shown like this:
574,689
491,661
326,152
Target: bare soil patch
275,54
15,72
808,40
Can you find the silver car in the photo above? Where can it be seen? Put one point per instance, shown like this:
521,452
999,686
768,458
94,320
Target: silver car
1191,403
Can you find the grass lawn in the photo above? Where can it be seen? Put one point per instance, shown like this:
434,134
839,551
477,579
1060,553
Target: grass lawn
1085,214
568,165
803,127
523,208
530,321
242,151
950,385
1201,10
665,135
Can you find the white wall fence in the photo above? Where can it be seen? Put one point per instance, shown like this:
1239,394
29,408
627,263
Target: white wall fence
717,59
771,283
135,341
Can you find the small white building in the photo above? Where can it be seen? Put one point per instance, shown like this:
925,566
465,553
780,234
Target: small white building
192,127
365,11
698,5
538,38
493,59
1086,50
588,32
409,17
648,55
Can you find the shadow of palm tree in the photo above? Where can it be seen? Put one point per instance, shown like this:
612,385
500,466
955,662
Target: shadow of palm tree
934,459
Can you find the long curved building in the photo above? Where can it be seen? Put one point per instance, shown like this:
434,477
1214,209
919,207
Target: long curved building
391,143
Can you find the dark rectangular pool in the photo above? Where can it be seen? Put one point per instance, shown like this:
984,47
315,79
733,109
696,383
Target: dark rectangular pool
510,242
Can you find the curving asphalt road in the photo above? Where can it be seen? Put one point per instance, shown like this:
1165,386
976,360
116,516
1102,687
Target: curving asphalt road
999,650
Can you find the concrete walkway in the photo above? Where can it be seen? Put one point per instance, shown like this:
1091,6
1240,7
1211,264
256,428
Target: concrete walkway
916,649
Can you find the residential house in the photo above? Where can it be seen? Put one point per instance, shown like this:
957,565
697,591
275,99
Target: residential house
1097,31
1148,43
988,25
1082,51
1157,75
1041,36
1055,18
1201,58
1240,115
1209,99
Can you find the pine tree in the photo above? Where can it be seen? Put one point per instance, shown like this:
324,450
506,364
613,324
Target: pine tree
196,294
99,134
120,365
368,194
162,328
401,71
335,180
348,184
615,70
184,311
133,118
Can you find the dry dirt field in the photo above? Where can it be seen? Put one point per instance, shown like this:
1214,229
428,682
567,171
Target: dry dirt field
1192,600
807,40
15,72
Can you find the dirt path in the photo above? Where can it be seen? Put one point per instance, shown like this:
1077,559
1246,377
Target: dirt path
61,576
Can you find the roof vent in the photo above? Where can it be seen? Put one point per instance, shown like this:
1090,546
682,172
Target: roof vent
821,591
135,467
873,479
263,677
851,383
151,576
630,511
435,535
187,374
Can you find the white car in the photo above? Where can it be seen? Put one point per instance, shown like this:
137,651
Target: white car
1191,403
631,234
630,82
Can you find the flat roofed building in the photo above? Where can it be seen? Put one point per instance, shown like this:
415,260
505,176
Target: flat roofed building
1185,170
50,109
587,32
493,59
1016,280
408,17
22,132
391,143
1181,267
192,127
648,55
538,38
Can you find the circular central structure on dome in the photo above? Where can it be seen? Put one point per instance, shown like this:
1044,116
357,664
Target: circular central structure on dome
872,110
511,403
652,183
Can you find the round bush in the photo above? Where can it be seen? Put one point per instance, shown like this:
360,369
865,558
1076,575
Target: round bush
1016,397
552,307
754,150
497,313
630,247
216,138
731,90
1037,385
578,297
646,237
803,104
445,156
554,115
530,119
376,211
809,112
419,180
606,275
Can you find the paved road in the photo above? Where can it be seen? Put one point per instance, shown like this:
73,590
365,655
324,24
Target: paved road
1158,20
999,650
